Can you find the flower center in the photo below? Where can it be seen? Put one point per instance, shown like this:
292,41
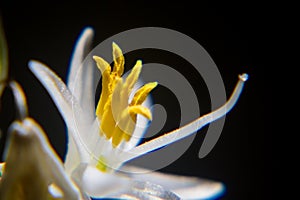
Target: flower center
118,116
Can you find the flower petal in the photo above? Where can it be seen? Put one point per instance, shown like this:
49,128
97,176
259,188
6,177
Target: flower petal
81,78
188,129
98,184
72,160
75,119
147,190
184,186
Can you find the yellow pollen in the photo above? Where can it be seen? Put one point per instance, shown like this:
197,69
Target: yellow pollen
118,117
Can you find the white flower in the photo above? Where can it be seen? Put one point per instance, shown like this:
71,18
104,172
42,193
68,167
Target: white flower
110,130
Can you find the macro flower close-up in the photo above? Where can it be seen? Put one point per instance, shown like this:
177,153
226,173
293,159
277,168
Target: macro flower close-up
111,126
131,101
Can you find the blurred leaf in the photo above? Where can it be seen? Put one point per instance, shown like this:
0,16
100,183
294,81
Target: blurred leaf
3,59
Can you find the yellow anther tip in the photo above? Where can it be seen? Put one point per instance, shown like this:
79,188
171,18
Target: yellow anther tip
96,58
153,84
114,45
101,63
134,110
139,63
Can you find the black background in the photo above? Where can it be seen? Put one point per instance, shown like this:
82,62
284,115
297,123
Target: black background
236,37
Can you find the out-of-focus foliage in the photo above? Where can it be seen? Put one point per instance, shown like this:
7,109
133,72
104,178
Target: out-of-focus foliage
3,59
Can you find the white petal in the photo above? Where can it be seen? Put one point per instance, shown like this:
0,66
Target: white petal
94,141
99,184
101,148
65,103
148,190
188,129
72,160
184,186
81,78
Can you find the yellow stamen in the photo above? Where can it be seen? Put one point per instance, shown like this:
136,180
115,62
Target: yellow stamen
105,69
141,95
134,110
118,117
119,60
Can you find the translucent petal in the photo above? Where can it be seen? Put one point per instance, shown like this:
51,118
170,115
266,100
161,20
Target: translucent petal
81,78
144,190
74,117
72,160
98,184
185,187
188,129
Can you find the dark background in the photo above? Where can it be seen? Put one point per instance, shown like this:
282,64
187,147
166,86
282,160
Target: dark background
236,37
